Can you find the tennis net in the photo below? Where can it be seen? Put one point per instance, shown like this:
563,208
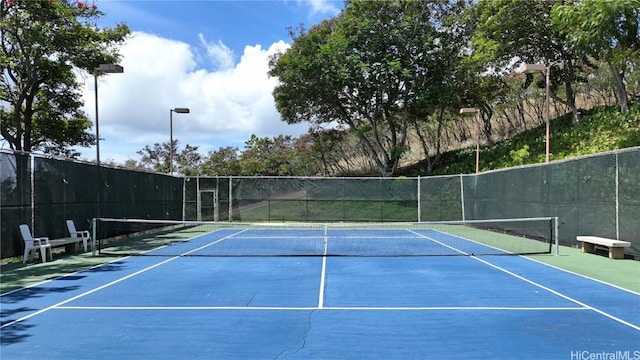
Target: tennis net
447,238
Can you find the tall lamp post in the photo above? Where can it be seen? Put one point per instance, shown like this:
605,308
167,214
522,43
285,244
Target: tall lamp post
179,111
477,112
532,68
102,69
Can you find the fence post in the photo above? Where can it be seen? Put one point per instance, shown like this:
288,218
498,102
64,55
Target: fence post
556,228
617,196
419,201
32,180
93,237
462,195
230,198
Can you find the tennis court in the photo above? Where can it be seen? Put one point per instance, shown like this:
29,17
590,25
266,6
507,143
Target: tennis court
398,291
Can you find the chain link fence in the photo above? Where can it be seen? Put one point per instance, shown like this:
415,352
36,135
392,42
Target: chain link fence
594,195
44,193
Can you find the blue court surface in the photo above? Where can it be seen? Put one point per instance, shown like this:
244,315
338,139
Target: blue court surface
321,307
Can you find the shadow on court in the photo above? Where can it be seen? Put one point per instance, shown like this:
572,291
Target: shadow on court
15,334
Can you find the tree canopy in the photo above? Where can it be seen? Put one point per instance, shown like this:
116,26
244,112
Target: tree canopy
364,70
385,70
378,83
604,30
44,45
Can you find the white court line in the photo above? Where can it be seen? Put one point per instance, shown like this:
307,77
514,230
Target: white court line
437,242
322,281
62,276
581,275
566,297
106,285
601,312
338,308
323,272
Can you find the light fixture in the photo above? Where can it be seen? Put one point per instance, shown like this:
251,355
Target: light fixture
532,68
102,69
179,111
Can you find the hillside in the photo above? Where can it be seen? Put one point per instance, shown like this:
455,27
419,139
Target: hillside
599,129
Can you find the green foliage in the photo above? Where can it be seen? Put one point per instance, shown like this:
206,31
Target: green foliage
519,156
224,161
156,158
280,156
363,69
43,44
600,129
604,30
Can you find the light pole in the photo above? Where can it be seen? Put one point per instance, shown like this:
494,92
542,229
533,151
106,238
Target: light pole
179,111
477,112
532,68
102,69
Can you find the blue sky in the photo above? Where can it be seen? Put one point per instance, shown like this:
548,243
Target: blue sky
210,56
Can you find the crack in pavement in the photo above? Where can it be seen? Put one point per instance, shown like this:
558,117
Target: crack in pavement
251,299
304,339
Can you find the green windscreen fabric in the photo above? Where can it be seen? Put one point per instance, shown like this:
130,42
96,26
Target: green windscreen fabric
440,198
15,201
324,199
44,192
63,190
595,195
629,198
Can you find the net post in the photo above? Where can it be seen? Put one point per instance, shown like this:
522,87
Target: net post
556,227
326,239
93,237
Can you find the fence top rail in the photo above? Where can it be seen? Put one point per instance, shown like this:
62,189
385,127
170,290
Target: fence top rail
311,177
562,161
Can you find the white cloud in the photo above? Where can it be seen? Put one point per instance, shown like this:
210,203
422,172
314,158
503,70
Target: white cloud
227,104
319,7
218,53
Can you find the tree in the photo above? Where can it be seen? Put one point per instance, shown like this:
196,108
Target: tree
224,161
189,161
605,30
42,45
156,158
363,70
523,30
462,83
273,157
331,150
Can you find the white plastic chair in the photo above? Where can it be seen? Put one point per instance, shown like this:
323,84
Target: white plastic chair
81,234
31,243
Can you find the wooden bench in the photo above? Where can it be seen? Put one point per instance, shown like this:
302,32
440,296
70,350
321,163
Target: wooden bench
615,247
70,243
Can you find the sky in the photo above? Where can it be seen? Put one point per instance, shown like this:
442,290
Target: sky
210,56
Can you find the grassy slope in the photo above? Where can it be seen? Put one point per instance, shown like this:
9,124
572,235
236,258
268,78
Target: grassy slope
600,129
